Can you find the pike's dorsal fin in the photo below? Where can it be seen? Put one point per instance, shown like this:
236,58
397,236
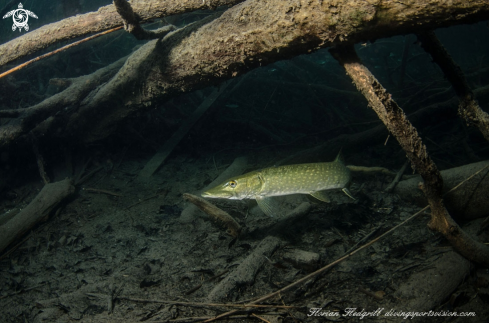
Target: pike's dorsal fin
339,158
268,205
321,195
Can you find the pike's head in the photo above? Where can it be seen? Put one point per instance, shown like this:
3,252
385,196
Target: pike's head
246,186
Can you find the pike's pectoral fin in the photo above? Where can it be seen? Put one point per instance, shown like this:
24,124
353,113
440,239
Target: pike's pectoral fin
322,196
347,192
268,205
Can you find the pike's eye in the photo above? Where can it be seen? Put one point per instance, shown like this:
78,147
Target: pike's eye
233,184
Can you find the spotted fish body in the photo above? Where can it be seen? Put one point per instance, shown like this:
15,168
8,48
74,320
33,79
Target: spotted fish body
311,179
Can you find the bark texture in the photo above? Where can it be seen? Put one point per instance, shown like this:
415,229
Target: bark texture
256,33
397,123
248,35
103,19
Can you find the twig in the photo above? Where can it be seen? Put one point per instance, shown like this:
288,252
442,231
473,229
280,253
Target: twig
261,318
84,178
18,67
162,194
363,239
195,304
23,290
96,190
40,162
398,177
317,272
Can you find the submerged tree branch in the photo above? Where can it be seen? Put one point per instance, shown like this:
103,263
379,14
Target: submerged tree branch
407,136
469,109
248,35
103,19
132,26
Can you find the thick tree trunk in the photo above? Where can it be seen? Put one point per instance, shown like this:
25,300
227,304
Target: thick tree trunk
103,19
246,36
256,33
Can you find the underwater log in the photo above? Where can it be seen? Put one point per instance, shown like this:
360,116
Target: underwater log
217,215
245,273
406,134
104,18
468,202
41,206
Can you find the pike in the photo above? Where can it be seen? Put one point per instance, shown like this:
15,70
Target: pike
313,179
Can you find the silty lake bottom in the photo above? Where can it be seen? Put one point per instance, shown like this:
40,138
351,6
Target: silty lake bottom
125,247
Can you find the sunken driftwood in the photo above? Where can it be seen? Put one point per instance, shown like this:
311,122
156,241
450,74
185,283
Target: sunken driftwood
237,167
431,286
428,288
219,216
245,273
248,35
159,158
469,202
38,119
39,209
399,126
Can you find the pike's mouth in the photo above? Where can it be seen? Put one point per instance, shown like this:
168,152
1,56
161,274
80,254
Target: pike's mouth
216,196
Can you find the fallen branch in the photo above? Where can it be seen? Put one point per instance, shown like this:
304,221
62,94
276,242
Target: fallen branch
237,167
469,109
59,50
398,177
39,209
467,204
245,273
229,44
196,304
96,190
407,136
319,271
103,19
217,215
132,26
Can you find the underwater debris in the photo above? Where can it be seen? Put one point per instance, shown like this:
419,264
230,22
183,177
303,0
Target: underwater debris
216,214
41,206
